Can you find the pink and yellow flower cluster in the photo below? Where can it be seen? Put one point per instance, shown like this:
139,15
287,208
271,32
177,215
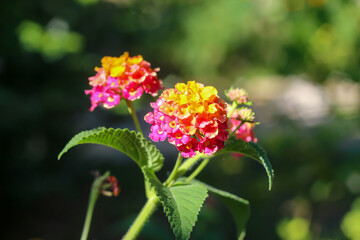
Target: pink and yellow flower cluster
192,117
122,77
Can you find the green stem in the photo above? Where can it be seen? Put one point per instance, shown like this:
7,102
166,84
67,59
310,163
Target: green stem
132,112
198,170
147,189
133,115
94,194
173,174
141,219
188,164
233,132
232,109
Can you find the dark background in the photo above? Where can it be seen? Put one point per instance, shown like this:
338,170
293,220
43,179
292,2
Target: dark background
299,60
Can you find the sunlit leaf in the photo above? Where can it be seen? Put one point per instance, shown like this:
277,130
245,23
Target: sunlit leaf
181,204
133,144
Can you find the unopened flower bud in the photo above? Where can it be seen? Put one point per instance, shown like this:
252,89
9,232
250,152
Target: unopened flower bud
111,184
238,95
244,114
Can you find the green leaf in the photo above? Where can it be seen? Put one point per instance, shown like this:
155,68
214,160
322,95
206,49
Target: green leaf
181,204
133,144
252,150
239,207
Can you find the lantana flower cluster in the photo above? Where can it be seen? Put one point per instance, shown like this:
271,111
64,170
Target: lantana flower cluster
122,77
192,117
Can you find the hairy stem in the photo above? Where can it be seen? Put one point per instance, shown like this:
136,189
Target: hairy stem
174,172
233,132
141,219
147,189
94,194
198,170
132,112
188,164
232,109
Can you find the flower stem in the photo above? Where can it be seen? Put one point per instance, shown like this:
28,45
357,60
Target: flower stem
188,164
232,109
198,170
233,132
94,194
147,189
133,115
173,174
132,112
141,219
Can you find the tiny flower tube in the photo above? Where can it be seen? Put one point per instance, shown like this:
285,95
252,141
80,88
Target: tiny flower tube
122,77
190,116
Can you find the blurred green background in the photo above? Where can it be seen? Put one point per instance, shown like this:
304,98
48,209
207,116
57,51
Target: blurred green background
298,59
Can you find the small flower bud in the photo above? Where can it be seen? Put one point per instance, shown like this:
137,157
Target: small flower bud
244,114
111,184
238,95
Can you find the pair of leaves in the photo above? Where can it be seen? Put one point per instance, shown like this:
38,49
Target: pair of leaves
145,154
181,203
133,144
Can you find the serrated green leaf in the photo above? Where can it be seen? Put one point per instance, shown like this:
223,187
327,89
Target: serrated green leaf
181,204
252,150
133,144
239,207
